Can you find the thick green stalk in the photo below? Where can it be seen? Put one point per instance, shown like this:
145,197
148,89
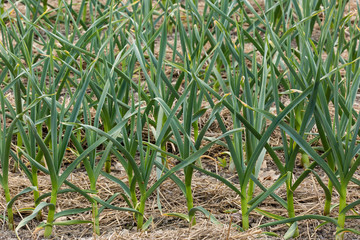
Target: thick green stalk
19,144
290,202
36,193
5,165
196,129
298,121
94,204
108,160
152,45
250,190
45,3
34,171
341,217
161,119
331,163
196,134
9,209
84,11
305,160
19,109
249,152
95,211
244,209
189,197
50,218
330,187
132,186
141,209
48,123
95,215
328,200
163,155
78,137
2,7
41,159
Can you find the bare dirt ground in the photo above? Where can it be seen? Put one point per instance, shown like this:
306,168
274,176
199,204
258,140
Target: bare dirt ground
208,193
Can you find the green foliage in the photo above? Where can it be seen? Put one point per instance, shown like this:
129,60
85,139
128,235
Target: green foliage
122,81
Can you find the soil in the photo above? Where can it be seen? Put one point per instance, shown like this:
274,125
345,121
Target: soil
208,193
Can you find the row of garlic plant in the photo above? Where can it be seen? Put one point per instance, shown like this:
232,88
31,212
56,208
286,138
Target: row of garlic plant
114,55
